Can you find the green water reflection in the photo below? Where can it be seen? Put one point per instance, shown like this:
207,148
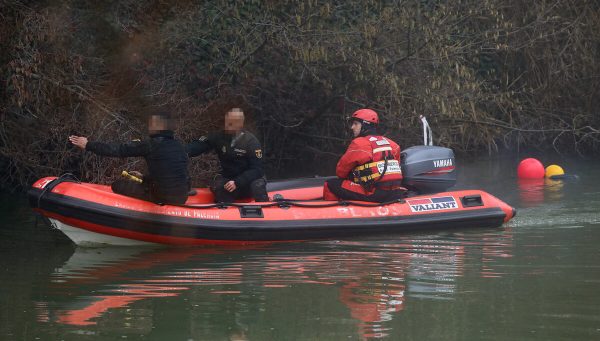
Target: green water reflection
535,278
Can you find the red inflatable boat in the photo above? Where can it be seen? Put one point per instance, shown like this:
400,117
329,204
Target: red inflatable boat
93,214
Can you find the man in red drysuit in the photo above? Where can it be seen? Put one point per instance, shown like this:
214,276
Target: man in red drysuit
370,168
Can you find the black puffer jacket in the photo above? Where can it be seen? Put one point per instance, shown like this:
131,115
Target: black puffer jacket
167,161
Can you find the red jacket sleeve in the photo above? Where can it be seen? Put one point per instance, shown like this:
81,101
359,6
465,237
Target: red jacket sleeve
358,153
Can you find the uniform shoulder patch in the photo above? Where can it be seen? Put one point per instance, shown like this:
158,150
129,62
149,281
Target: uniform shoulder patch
258,153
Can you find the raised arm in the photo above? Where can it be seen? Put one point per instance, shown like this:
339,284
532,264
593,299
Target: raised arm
134,148
199,146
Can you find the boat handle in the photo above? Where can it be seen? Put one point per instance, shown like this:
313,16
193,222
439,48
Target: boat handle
251,212
471,200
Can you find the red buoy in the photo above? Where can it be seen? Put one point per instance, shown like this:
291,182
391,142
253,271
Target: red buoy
530,169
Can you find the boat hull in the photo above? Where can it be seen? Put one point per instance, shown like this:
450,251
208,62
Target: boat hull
91,214
84,237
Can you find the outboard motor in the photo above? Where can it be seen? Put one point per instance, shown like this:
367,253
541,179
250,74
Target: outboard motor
428,169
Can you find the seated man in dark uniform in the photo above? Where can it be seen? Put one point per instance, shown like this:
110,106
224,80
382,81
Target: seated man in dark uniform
240,156
167,180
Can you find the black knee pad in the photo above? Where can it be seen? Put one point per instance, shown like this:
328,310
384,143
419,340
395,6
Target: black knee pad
258,188
259,184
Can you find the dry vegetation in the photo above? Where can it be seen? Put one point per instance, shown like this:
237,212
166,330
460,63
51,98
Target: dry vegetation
489,74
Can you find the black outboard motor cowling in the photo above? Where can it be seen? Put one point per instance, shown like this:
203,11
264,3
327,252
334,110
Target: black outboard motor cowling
428,169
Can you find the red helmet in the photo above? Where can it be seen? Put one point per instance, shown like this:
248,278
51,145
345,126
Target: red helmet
366,115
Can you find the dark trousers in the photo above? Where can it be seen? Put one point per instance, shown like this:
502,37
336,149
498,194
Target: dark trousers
142,191
335,186
257,189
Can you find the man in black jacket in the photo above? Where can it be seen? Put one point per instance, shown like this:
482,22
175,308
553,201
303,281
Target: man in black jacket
240,156
167,180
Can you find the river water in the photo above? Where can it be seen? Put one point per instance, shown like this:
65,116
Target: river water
536,278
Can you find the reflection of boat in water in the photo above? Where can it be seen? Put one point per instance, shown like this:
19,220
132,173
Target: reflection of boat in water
124,287
126,282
